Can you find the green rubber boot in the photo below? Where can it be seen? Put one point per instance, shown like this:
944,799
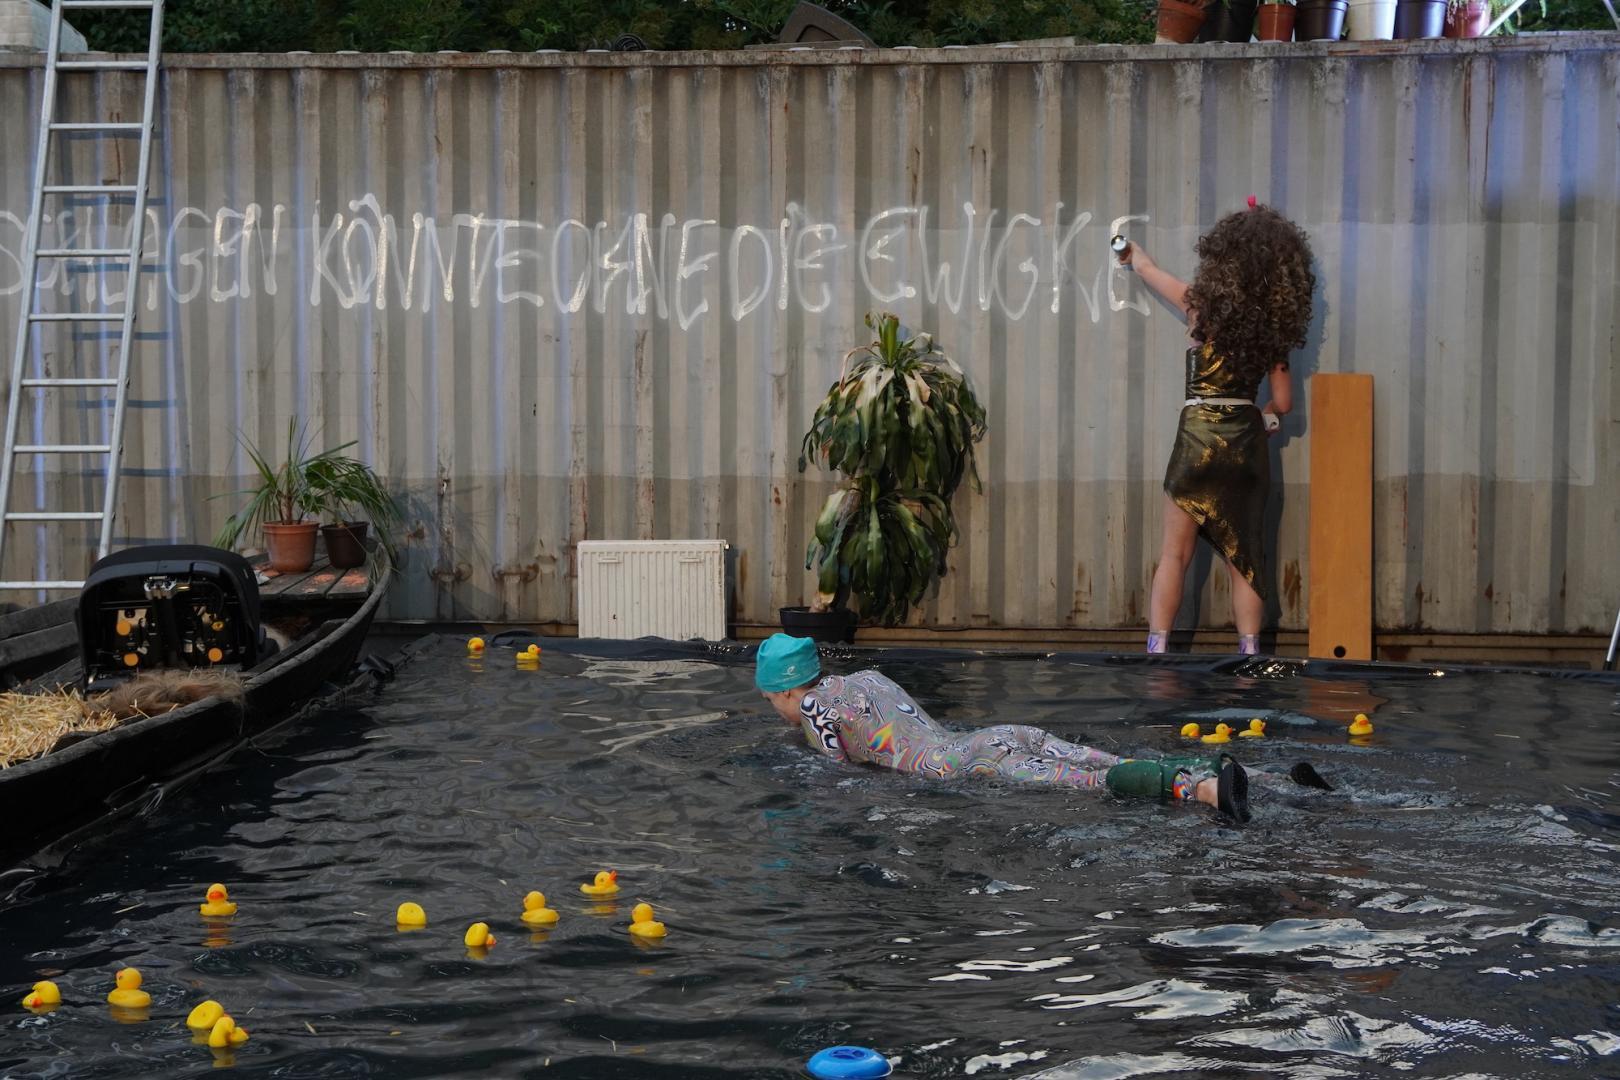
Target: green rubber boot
1156,779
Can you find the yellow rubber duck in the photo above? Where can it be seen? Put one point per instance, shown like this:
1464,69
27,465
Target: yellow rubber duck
1190,731
225,1033
535,912
475,646
129,994
218,903
642,923
606,884
44,997
205,1016
1362,725
410,916
1257,729
1222,733
529,657
478,936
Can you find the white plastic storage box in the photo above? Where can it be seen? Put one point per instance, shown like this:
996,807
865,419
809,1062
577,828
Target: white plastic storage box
672,589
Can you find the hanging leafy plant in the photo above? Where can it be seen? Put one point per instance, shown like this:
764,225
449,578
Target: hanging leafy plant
900,424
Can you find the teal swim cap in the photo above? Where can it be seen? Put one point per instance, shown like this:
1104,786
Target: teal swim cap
784,661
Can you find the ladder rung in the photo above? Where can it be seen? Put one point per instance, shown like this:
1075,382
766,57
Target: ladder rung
99,126
72,316
132,4
54,515
101,65
41,584
84,253
69,382
65,448
89,189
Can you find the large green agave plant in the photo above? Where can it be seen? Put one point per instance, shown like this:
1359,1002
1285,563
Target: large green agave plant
900,424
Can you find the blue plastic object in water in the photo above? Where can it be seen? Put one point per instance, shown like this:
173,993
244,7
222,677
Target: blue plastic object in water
848,1063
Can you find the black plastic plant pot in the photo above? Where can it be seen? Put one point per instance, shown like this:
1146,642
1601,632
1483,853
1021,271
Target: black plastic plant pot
345,544
1231,21
1419,19
1320,20
836,627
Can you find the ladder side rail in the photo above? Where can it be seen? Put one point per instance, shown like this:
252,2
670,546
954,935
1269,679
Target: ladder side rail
154,46
19,365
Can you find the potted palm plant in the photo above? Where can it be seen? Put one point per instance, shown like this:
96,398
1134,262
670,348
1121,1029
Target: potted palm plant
899,425
352,495
295,491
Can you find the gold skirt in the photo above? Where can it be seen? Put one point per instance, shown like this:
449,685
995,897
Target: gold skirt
1220,474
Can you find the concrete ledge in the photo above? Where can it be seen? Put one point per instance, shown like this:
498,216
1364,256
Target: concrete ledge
1536,44
26,25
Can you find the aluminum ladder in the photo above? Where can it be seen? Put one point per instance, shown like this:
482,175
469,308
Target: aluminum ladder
32,315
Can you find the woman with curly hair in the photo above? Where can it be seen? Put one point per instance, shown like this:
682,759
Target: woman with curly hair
1248,306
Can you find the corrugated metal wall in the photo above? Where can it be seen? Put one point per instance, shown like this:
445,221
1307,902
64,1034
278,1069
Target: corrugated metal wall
568,297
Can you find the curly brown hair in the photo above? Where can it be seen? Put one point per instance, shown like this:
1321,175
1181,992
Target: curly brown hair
1251,295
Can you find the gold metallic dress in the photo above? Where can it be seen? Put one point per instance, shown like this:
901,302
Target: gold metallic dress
1220,468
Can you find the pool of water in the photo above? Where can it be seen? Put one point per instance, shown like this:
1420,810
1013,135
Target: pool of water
1449,910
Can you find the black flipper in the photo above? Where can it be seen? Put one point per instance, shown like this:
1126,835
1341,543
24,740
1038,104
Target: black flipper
1305,775
1232,790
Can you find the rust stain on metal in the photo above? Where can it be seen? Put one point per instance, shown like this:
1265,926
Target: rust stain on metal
1293,583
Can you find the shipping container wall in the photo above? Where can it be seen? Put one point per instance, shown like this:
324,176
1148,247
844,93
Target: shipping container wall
566,297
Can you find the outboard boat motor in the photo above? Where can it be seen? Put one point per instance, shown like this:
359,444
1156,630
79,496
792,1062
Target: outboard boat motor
168,606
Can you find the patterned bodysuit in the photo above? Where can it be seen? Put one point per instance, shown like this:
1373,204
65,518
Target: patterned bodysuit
866,717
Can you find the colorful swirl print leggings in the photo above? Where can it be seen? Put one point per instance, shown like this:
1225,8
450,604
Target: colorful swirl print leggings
1013,752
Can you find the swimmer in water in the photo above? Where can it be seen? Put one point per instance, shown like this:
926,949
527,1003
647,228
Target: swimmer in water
867,718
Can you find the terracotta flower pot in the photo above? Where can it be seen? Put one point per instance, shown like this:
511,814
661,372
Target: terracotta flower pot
345,544
292,547
1320,20
1179,20
1467,20
1420,19
1275,22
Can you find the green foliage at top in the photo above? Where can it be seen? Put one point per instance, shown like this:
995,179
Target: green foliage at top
900,424
480,25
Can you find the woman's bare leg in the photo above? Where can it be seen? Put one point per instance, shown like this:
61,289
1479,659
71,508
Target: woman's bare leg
1247,607
1175,554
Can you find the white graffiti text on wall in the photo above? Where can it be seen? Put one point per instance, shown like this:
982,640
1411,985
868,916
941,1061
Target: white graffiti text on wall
1013,265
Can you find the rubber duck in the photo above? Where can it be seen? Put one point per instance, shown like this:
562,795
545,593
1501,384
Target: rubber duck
44,997
529,657
129,994
642,923
1222,733
606,884
225,1033
535,912
475,646
218,903
1362,725
478,936
1257,730
1190,731
410,916
204,1016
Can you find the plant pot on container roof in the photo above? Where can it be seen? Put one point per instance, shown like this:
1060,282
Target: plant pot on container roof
899,425
294,492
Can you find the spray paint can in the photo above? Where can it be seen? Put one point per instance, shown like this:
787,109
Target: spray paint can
1120,245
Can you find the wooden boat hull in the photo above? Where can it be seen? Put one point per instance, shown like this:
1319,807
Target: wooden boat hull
64,792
